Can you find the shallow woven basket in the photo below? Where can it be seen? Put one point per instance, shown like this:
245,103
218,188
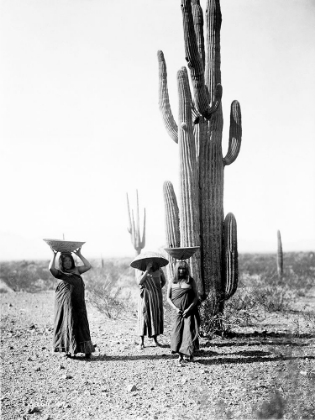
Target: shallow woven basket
63,246
182,253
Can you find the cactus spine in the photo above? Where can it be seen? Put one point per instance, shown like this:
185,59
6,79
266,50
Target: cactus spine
199,136
134,227
279,256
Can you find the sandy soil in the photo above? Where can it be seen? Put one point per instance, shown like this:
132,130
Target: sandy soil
266,371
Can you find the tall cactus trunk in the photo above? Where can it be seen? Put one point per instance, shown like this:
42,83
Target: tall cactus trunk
189,202
279,256
199,136
212,213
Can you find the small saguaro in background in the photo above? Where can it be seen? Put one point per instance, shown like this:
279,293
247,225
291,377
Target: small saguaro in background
134,226
279,256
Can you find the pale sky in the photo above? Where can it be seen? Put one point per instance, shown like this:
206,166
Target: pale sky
80,124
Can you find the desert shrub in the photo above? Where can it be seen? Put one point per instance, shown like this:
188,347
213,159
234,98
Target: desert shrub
240,311
299,269
257,295
110,286
28,276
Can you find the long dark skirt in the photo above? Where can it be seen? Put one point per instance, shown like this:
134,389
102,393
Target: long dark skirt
150,308
185,332
71,326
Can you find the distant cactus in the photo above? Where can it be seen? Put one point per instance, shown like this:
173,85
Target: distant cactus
199,136
279,256
134,227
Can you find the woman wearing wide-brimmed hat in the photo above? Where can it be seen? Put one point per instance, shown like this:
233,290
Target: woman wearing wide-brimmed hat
151,280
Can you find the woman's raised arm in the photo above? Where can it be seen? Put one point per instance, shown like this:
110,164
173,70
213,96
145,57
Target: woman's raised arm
86,266
51,266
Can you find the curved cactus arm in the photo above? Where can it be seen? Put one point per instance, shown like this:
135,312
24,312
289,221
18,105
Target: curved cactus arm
230,256
213,56
194,111
129,228
188,168
142,244
171,215
198,26
134,238
235,137
138,220
171,223
196,65
164,102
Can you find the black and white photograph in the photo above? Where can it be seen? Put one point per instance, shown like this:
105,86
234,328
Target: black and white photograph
157,221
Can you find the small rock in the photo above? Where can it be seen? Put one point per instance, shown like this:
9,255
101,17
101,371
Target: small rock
37,369
67,377
33,410
61,367
131,388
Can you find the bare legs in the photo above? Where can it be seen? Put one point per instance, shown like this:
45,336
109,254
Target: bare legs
180,359
141,347
183,358
157,344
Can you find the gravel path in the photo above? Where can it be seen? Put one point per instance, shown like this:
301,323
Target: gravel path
254,374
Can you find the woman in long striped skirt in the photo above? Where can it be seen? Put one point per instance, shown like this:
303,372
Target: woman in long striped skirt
150,306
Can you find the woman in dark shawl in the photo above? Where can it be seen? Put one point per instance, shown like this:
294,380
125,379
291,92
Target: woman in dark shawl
182,295
150,303
71,326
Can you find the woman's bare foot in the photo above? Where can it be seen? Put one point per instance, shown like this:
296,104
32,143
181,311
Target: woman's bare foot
70,356
180,360
141,346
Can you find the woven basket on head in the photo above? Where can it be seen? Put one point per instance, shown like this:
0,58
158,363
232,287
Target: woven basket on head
63,246
182,253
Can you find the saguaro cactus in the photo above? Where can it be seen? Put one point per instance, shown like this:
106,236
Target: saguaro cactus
279,256
134,227
200,219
